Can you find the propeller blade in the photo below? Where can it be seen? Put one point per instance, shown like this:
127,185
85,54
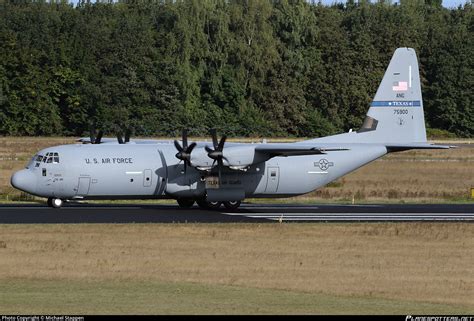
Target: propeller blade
217,153
120,138
98,139
184,151
214,138
219,168
178,146
185,139
92,134
189,150
221,143
128,132
191,147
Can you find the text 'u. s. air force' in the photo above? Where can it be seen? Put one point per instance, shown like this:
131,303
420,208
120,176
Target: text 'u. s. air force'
113,160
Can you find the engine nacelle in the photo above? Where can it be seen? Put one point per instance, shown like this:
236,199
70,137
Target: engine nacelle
237,157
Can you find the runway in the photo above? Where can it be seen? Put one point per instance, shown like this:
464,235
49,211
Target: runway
256,213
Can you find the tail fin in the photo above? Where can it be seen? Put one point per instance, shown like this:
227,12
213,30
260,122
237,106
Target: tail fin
396,113
395,117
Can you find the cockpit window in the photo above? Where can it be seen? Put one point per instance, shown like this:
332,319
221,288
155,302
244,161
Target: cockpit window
49,158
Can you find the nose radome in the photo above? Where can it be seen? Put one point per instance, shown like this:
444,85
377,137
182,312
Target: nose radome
24,180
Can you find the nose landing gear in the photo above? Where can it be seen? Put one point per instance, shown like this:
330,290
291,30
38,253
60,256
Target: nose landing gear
55,202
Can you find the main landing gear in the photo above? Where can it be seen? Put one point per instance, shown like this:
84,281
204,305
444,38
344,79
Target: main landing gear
55,202
185,203
230,205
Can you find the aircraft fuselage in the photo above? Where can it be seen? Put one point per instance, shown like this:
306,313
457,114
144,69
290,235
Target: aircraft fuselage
151,171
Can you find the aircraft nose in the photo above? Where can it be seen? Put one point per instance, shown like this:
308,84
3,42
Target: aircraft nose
24,180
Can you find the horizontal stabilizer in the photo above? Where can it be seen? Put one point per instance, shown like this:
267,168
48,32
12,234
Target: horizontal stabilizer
403,147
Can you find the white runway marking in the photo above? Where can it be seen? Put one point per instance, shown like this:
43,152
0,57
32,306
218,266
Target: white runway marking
359,216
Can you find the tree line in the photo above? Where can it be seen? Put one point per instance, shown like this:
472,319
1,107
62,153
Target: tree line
245,67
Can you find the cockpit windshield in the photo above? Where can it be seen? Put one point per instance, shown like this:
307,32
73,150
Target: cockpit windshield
49,158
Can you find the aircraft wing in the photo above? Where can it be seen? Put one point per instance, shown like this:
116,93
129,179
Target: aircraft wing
292,149
107,140
403,147
87,140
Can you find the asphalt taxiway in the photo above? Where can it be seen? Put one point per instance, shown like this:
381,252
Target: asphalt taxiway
146,213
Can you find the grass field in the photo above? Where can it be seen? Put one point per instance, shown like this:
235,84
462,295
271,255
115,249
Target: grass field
412,176
237,268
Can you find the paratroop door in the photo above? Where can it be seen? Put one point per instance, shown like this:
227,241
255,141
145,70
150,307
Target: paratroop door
273,177
84,185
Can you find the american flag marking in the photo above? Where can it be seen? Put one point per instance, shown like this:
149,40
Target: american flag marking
400,86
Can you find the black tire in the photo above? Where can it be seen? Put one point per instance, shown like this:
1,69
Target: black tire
185,203
209,205
202,204
232,205
213,205
56,202
50,202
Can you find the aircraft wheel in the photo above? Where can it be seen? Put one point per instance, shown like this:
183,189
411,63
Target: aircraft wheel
185,203
55,202
232,205
213,205
209,205
202,204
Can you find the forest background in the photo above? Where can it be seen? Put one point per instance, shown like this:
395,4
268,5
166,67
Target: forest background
247,68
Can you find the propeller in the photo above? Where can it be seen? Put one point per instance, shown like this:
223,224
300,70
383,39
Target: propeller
217,153
124,139
184,151
95,139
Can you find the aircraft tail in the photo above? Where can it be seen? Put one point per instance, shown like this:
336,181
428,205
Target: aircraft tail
395,118
396,113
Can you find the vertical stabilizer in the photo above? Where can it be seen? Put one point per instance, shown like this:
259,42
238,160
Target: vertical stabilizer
396,113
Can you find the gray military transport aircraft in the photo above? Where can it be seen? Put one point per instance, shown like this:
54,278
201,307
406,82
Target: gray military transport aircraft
220,173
